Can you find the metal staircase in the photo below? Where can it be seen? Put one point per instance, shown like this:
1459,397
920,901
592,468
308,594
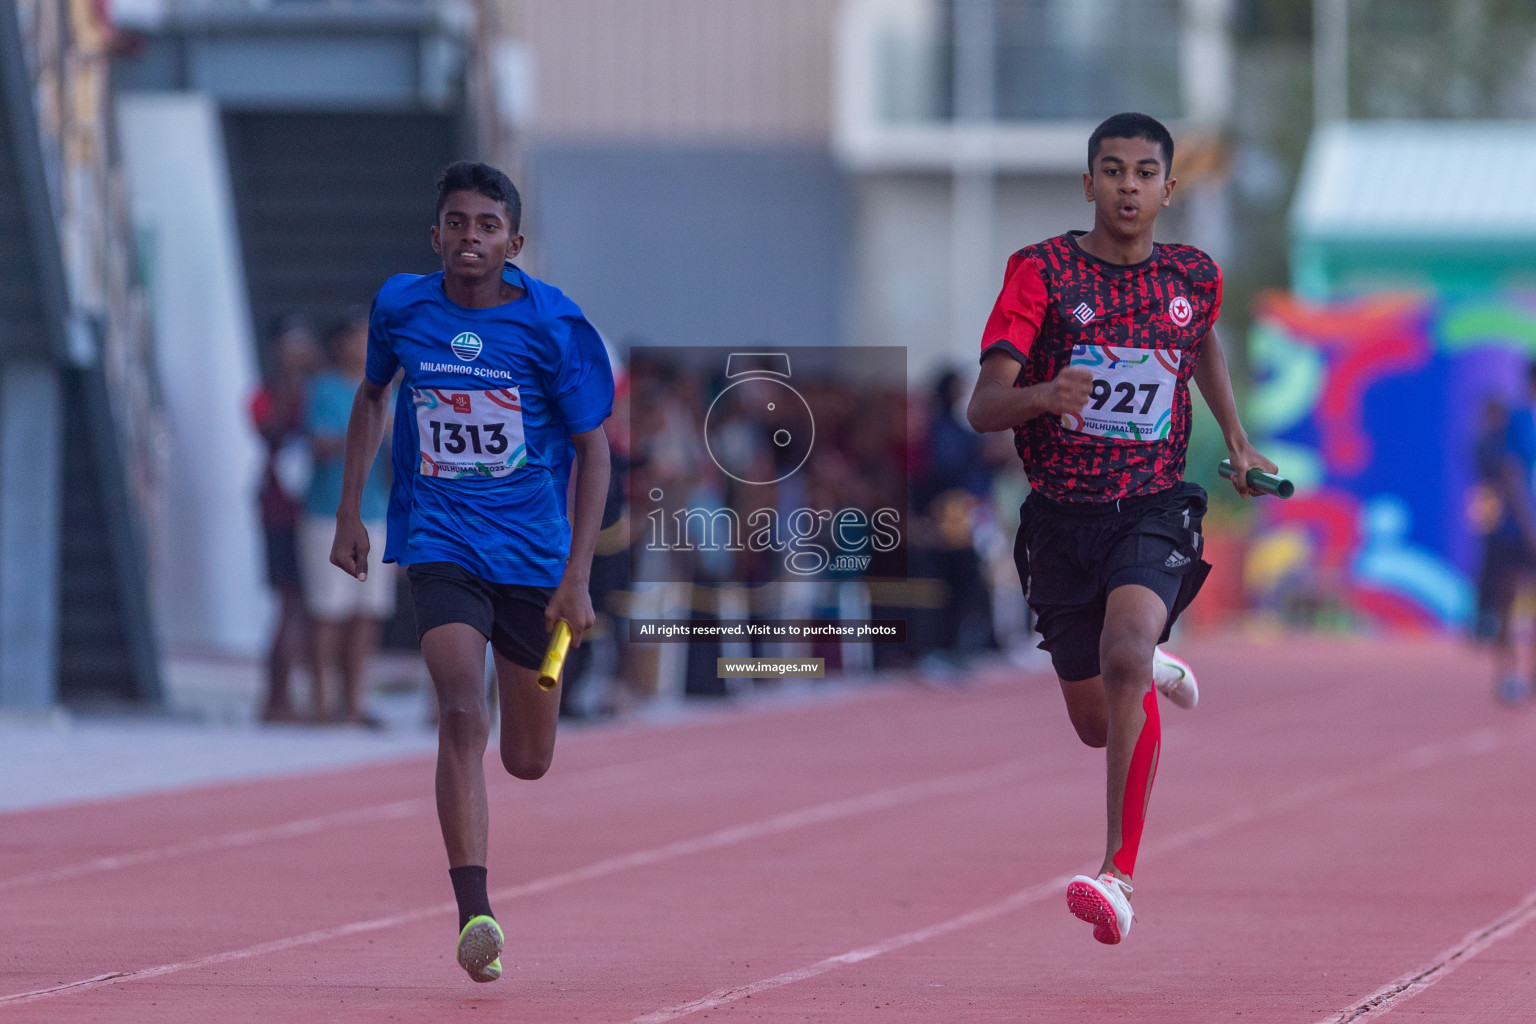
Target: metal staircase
74,616
331,204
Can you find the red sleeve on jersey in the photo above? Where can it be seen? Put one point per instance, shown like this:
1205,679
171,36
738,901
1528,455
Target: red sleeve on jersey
1019,310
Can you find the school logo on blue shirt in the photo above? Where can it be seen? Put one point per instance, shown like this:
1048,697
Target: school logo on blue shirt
466,346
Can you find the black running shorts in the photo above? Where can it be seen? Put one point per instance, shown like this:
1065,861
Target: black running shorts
1070,556
510,616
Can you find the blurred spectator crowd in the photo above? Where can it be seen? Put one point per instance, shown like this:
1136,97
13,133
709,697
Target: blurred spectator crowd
327,621
877,445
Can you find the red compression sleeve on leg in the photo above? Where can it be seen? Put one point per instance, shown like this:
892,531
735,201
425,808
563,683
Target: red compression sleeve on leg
1138,785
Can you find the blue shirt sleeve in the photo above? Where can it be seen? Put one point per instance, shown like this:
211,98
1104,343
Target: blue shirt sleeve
583,386
382,361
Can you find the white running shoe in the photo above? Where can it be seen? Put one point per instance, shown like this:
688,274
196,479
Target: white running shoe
1174,679
1101,902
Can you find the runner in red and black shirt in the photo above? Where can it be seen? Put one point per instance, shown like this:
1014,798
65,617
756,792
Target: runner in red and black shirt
1088,357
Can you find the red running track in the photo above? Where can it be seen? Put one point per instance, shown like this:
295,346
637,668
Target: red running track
1337,839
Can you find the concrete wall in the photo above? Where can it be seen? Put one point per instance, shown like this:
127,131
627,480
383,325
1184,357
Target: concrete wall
756,71
693,245
31,453
684,186
208,573
902,282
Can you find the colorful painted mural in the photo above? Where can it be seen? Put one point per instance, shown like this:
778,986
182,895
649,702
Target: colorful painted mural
1374,406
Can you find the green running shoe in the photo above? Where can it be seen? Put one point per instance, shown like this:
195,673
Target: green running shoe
490,972
479,949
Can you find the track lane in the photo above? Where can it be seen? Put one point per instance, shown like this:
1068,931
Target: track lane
696,915
1434,796
1230,925
606,823
1488,976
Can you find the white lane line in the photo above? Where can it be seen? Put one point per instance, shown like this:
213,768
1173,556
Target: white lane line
1480,741
1398,991
1023,897
292,829
110,975
229,841
275,946
885,799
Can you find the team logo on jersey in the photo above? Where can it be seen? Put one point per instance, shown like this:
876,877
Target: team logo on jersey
1083,314
1180,311
467,346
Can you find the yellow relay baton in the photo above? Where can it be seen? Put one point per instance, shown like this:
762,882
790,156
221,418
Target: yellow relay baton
554,657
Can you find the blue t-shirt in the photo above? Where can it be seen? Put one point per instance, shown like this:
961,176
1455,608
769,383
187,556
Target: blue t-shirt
1520,445
329,409
482,447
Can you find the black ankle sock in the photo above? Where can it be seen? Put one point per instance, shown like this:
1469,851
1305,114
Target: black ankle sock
469,891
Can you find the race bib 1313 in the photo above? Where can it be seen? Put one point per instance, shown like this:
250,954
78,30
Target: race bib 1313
469,433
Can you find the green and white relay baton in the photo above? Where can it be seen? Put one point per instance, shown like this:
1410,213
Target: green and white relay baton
1258,480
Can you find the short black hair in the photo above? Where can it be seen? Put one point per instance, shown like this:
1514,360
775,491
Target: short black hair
469,176
1132,126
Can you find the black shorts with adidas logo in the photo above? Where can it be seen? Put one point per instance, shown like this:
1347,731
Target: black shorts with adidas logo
1071,555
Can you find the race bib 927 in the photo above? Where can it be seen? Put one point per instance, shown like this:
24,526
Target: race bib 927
1132,394
469,433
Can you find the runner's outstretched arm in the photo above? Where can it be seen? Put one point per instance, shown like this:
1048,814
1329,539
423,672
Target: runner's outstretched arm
365,431
572,600
997,405
1215,385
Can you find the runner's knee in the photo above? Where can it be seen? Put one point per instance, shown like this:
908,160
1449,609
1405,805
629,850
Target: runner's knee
1127,661
521,765
462,725
1092,730
1085,707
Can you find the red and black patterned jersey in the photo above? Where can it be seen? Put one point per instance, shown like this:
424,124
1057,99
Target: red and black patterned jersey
1060,305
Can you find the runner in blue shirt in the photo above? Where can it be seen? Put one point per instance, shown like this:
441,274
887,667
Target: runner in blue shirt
1512,544
505,384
